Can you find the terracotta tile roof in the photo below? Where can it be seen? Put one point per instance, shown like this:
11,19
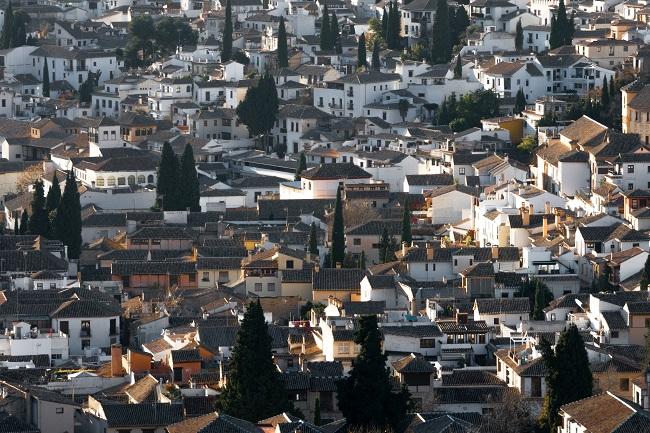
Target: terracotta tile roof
601,413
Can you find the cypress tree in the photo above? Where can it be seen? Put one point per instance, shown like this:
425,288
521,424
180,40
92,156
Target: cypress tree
53,195
8,28
520,101
461,22
283,53
313,240
226,40
365,396
167,179
645,275
555,39
604,95
325,29
335,34
24,223
39,223
362,260
337,250
361,51
302,166
317,419
67,223
389,26
188,182
458,68
568,375
562,22
384,243
384,24
394,23
543,297
46,80
16,225
612,89
440,42
519,37
254,390
375,65
406,222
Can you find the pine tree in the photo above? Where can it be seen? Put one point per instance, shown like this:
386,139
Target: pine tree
24,223
67,223
226,40
46,80
520,101
313,240
440,42
519,37
458,68
325,29
365,397
39,223
167,179
568,376
361,51
188,182
337,250
335,34
406,222
604,95
283,53
375,64
254,390
8,28
302,166
317,419
53,195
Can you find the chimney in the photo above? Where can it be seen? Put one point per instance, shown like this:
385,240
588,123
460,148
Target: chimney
461,317
545,226
530,209
495,252
557,218
116,360
404,248
525,217
429,249
547,207
338,265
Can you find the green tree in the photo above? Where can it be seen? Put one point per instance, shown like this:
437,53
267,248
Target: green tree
325,31
53,195
24,223
393,27
302,166
361,51
335,34
16,225
543,297
20,20
645,275
403,107
362,260
188,182
317,419
140,47
283,52
384,24
67,223
604,95
555,38
168,169
337,250
461,22
519,36
226,40
254,390
313,239
406,222
39,223
8,28
528,144
458,68
440,41
384,243
375,64
46,79
262,98
568,377
520,101
365,396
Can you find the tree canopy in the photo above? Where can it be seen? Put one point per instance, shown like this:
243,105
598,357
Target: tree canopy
337,250
262,98
283,52
67,222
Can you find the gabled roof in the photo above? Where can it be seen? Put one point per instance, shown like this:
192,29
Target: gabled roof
606,413
413,364
335,171
142,414
334,279
502,305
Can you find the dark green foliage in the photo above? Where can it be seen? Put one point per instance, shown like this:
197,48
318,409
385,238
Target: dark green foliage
8,28
88,87
254,390
469,110
302,166
530,290
461,22
226,40
262,98
67,223
24,223
458,68
406,223
362,260
337,251
20,21
280,149
16,225
46,79
325,31
387,247
317,419
335,34
167,185
361,51
519,37
240,57
313,240
562,28
140,47
645,275
604,95
520,101
543,297
53,195
440,41
568,375
365,397
39,223
393,27
403,107
170,33
384,24
283,52
612,88
375,64
188,182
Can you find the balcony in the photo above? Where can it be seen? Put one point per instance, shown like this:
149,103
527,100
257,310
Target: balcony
335,106
349,93
350,106
84,333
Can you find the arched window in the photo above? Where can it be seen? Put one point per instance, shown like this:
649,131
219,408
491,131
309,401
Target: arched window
121,181
111,181
141,178
150,178
100,181
131,180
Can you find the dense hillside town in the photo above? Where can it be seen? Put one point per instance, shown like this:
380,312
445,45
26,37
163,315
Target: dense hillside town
324,216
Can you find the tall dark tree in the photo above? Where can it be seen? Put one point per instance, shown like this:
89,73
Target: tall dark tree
53,195
543,297
325,30
313,240
519,37
403,107
604,95
262,98
168,169
458,68
440,41
375,64
67,223
384,24
461,22
46,79
365,397
393,26
361,51
188,181
337,250
8,28
39,223
612,88
226,40
562,28
387,247
317,418
555,38
406,222
24,223
254,390
645,275
520,101
568,377
335,34
302,166
16,225
283,52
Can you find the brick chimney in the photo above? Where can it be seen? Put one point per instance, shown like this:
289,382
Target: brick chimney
545,226
429,249
116,360
495,252
547,207
525,217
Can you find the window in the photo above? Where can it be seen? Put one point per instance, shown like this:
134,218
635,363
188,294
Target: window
289,264
85,328
131,180
427,343
461,171
630,186
59,410
64,326
630,168
344,348
141,179
205,276
356,241
496,320
624,384
111,181
192,278
258,287
223,277
270,287
85,344
614,334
